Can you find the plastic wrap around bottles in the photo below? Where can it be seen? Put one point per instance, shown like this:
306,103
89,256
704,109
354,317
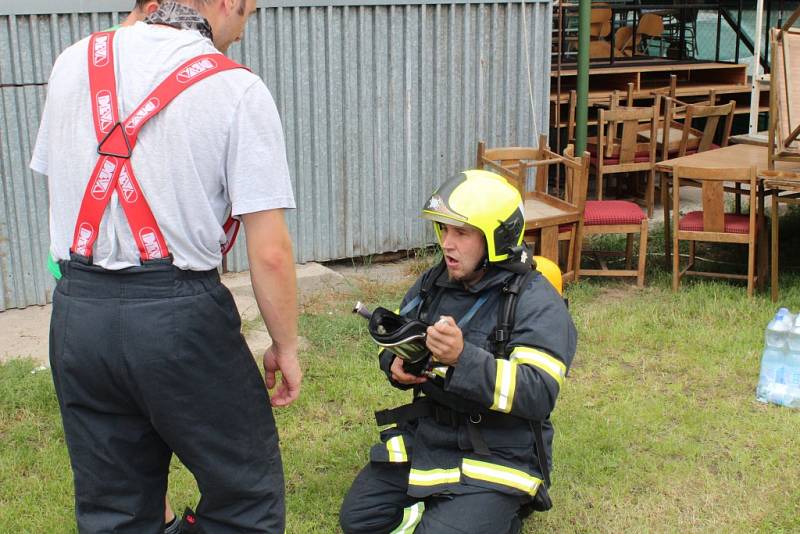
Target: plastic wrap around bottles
779,380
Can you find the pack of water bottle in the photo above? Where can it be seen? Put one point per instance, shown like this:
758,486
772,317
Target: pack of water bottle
779,382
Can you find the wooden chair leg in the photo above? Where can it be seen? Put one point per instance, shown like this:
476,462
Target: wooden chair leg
642,254
628,251
751,267
665,203
692,251
651,190
773,275
599,185
676,277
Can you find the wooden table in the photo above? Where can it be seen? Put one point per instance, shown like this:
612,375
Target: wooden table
759,139
741,155
543,215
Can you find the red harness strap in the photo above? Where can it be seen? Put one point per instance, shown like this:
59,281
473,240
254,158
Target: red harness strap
116,141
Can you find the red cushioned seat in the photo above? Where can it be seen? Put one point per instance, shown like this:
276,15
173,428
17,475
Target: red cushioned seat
639,157
612,212
734,223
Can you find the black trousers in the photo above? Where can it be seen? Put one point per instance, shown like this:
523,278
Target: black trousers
377,500
147,362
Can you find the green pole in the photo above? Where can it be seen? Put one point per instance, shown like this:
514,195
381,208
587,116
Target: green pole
582,105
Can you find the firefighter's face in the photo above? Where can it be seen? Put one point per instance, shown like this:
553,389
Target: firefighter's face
463,248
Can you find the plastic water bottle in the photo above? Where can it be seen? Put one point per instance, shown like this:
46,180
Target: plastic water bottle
772,383
792,372
778,328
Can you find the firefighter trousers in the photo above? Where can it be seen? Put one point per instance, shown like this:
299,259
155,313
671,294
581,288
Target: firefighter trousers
147,362
378,503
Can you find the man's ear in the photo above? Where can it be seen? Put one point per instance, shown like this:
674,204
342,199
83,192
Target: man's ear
150,8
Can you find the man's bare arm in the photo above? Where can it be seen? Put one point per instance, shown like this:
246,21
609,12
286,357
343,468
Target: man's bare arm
272,272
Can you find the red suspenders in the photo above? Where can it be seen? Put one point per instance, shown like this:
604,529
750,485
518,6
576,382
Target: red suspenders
117,139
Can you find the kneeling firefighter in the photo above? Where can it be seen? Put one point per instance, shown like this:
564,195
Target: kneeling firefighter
472,452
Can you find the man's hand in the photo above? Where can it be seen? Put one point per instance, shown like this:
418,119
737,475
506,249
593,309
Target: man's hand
445,341
291,376
400,376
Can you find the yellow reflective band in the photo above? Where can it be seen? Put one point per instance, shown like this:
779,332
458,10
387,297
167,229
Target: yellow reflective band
390,425
433,477
504,386
542,360
397,449
411,518
440,371
498,474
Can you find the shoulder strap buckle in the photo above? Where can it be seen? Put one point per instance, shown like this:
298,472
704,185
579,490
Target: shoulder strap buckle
115,143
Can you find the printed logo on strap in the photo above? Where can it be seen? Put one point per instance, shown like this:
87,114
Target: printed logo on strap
150,241
101,184
149,108
104,112
85,234
195,69
100,51
129,193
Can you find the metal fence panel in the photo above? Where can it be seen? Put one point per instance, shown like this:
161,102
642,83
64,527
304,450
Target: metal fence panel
380,103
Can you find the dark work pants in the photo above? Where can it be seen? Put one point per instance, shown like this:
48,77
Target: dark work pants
377,499
147,362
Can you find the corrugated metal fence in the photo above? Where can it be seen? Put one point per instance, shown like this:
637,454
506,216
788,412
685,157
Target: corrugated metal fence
380,102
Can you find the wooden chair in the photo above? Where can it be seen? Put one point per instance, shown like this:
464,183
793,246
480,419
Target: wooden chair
712,224
649,29
600,21
681,118
512,158
602,217
625,41
550,220
690,140
784,94
614,101
618,148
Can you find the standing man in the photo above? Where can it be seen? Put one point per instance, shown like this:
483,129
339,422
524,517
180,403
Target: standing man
471,453
150,138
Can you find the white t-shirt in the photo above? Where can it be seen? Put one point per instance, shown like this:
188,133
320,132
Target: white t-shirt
217,148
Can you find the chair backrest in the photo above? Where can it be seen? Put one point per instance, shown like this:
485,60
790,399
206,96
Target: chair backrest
613,103
600,22
713,195
623,40
576,177
693,138
650,25
627,123
512,160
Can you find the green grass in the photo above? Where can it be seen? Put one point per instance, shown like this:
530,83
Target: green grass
657,426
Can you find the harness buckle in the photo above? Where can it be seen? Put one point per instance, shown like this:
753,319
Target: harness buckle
115,143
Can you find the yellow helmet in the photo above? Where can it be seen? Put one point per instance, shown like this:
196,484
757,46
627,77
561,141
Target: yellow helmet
484,200
549,270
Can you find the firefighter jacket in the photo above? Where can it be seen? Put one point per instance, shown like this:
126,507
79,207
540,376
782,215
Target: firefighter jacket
512,391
